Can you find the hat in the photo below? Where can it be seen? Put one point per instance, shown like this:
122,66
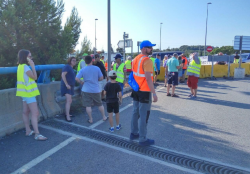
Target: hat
84,54
146,43
129,57
118,56
158,54
112,73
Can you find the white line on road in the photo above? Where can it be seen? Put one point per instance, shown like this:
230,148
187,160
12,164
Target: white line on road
37,160
101,121
120,110
170,150
121,149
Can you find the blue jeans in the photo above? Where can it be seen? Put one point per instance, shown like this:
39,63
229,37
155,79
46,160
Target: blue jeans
121,85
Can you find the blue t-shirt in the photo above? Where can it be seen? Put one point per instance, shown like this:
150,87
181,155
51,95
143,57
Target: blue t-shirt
158,63
90,74
70,76
172,63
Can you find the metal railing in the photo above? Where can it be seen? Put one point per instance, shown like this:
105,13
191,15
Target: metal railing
44,76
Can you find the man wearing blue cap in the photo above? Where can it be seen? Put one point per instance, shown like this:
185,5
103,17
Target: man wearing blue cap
120,69
142,68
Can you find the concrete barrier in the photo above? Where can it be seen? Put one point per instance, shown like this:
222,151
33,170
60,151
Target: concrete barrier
11,106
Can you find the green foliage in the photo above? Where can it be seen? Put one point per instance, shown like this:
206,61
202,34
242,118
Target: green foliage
7,81
36,26
85,47
224,49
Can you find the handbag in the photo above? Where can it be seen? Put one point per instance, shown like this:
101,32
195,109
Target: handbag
131,81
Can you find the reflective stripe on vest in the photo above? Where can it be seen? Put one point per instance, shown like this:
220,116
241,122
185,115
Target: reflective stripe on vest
128,64
119,72
139,74
25,89
194,68
102,61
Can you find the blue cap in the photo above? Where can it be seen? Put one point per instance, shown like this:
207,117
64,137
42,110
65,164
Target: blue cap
117,56
158,54
146,43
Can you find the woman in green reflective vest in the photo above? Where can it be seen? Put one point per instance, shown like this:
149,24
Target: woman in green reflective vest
28,90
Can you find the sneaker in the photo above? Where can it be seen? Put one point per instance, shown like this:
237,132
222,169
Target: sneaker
133,136
193,97
148,142
111,129
190,95
118,127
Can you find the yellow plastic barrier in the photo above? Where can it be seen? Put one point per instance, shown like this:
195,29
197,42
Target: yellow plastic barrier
219,70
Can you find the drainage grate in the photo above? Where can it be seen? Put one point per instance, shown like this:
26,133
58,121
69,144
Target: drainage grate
163,155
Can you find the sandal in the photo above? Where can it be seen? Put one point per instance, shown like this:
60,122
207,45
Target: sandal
31,133
174,95
40,137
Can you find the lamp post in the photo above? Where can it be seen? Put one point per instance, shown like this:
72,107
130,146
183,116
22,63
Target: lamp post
109,38
95,36
160,36
206,30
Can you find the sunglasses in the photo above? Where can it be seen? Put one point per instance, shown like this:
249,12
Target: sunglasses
149,47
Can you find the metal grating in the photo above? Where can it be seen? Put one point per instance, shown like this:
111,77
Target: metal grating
153,152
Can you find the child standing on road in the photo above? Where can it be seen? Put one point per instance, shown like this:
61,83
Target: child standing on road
112,89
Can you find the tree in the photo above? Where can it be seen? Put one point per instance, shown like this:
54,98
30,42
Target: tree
120,50
85,46
36,26
224,49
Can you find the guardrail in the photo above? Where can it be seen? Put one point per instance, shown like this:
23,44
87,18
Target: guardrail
44,76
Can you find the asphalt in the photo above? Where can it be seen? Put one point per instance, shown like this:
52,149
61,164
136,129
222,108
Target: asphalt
214,127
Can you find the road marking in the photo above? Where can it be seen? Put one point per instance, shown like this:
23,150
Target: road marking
120,110
120,149
101,121
40,158
178,152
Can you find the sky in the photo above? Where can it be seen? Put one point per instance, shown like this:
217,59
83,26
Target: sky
184,21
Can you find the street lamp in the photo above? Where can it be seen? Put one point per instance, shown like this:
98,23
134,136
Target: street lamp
160,36
95,36
206,30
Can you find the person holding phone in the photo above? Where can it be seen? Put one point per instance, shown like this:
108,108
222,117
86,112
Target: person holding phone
28,90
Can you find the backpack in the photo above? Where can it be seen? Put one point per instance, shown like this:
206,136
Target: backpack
131,81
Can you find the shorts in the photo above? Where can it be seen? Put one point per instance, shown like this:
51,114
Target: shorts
192,82
180,73
113,107
89,99
65,90
157,73
183,71
173,78
29,100
102,84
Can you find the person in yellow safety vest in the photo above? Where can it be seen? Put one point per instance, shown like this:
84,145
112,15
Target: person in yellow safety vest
82,63
28,90
193,73
102,60
152,59
120,69
236,58
128,64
